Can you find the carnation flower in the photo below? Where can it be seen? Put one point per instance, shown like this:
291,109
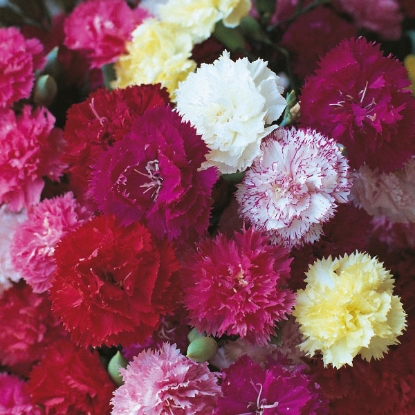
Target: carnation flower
312,35
31,149
112,283
9,221
295,186
14,396
237,286
250,389
101,120
101,28
159,52
232,116
35,239
362,100
381,16
19,59
164,381
27,326
348,308
70,380
392,194
153,176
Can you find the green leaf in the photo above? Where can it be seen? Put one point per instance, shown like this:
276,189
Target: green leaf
34,10
9,17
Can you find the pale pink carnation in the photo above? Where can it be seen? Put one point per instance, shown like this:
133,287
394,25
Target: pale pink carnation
30,150
35,239
15,397
294,186
8,223
166,382
101,28
389,194
380,16
19,58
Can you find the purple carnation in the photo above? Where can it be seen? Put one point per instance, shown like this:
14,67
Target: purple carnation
152,175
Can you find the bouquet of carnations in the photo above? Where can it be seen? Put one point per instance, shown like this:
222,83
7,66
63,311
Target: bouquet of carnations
207,207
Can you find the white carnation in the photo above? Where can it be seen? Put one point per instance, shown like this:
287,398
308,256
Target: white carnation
232,106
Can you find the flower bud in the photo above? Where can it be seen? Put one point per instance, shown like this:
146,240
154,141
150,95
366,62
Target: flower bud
45,90
195,334
117,361
202,349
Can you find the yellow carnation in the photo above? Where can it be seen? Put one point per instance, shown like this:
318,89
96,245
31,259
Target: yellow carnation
233,11
158,53
348,308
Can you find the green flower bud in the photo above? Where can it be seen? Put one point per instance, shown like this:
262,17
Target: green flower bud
202,349
195,334
114,365
45,90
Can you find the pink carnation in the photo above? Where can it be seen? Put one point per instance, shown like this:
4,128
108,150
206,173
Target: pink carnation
31,149
362,100
19,58
14,396
295,186
35,239
100,29
9,221
153,175
164,381
381,16
236,286
312,35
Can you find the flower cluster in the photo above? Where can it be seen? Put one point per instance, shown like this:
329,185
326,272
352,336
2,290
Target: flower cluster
207,207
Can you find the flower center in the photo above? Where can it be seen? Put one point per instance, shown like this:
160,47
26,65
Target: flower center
261,404
154,176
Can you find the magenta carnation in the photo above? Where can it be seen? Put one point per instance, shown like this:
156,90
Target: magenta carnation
14,396
35,239
362,100
249,389
381,16
153,176
97,123
295,186
166,382
236,286
31,148
19,58
100,29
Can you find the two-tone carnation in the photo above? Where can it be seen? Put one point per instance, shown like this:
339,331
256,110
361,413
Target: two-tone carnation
294,186
113,283
232,106
348,308
153,175
236,286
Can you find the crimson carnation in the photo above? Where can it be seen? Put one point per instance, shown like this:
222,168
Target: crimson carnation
362,100
153,176
27,326
112,283
100,29
236,286
19,59
35,239
31,149
101,120
70,380
248,389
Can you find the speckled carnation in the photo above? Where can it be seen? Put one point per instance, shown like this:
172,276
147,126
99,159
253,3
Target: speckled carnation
152,175
236,286
101,28
19,59
31,149
35,239
164,381
294,186
362,99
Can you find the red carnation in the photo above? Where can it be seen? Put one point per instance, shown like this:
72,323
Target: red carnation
113,283
70,380
361,99
101,120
